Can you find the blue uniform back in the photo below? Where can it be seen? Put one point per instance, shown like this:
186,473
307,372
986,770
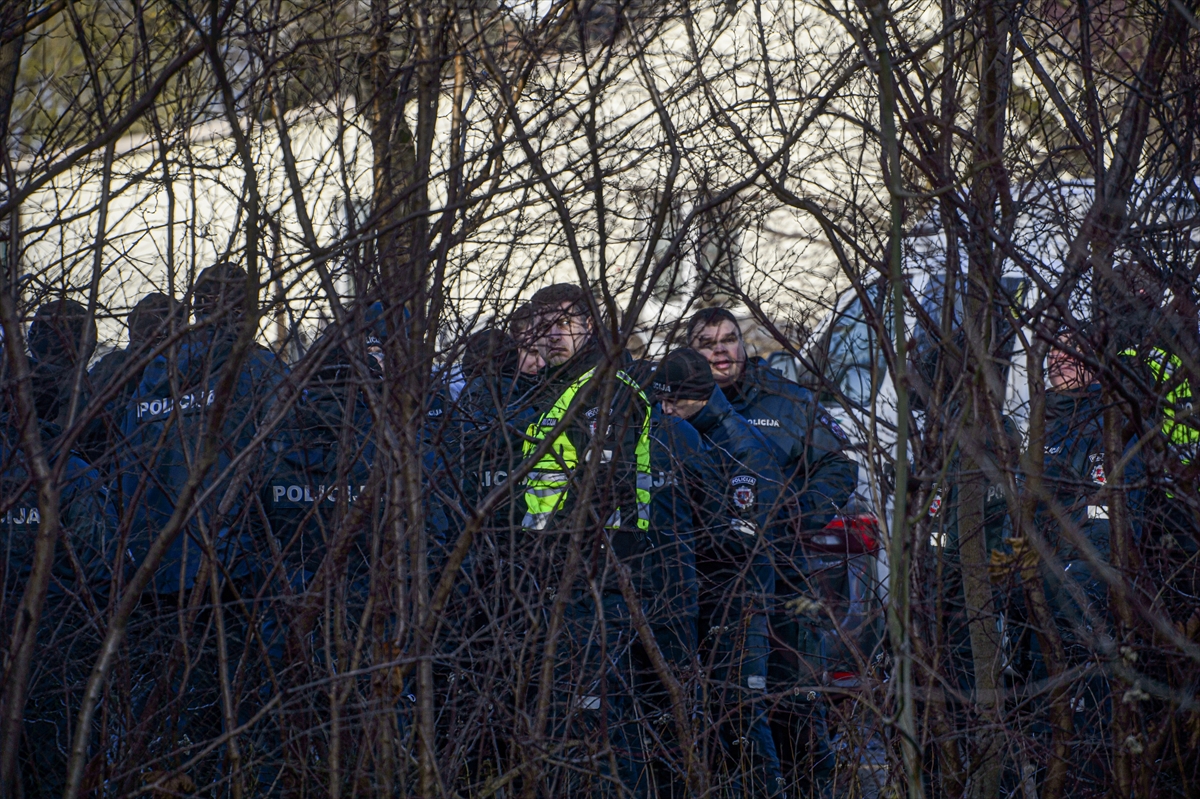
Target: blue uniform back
87,523
162,433
680,498
320,462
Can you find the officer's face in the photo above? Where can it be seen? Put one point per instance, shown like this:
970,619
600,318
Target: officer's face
529,360
563,334
722,345
1065,372
683,408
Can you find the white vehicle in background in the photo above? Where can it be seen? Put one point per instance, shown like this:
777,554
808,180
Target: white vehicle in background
844,366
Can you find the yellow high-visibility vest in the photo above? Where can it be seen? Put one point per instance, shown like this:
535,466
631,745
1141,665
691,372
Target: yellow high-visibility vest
1178,400
546,486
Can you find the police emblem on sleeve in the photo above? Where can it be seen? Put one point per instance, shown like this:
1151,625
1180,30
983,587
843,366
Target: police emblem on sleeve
834,426
743,491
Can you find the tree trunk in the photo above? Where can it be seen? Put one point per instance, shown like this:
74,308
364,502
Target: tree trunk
984,391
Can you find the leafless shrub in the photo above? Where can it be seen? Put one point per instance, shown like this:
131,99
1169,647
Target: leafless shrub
264,546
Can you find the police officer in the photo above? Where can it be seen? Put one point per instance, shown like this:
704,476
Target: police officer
809,445
147,329
1157,357
78,590
602,459
80,575
492,411
1165,376
321,458
164,432
1073,516
1075,480
681,500
734,564
198,366
317,494
495,408
819,480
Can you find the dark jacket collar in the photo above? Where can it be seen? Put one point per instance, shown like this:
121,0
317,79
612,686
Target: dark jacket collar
756,377
567,373
1073,404
713,414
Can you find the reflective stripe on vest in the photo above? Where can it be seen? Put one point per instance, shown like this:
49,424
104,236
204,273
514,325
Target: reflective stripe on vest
546,486
1164,366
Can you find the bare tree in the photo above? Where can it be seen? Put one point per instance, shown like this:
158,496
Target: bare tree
279,542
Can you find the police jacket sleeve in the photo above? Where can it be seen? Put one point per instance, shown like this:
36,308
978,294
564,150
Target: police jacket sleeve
89,523
824,477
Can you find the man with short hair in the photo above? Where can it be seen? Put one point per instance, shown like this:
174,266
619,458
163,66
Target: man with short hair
575,363
733,559
809,445
600,457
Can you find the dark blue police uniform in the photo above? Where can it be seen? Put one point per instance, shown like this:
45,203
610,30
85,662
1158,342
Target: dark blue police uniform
737,580
162,434
80,578
1076,480
819,480
809,446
